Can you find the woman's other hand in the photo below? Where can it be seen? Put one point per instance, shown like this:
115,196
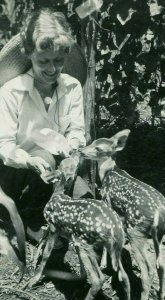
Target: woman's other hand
38,164
48,176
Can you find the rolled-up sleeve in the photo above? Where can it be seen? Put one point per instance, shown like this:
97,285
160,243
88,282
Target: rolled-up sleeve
8,123
8,126
76,129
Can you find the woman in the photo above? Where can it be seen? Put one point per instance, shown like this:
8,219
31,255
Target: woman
41,98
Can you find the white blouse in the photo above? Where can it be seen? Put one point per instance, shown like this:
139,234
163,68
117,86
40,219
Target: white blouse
22,111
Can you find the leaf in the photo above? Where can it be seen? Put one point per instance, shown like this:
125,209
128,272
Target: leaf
81,188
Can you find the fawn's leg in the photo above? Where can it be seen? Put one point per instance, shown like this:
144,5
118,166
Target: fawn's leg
103,263
159,265
138,243
124,280
161,275
121,272
92,256
41,247
90,269
83,273
52,237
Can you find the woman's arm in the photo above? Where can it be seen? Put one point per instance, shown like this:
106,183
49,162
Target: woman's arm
8,129
10,153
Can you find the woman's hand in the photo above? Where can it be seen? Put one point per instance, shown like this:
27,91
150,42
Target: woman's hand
64,148
38,164
74,143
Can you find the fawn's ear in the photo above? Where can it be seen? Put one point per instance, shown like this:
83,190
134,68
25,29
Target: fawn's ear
120,139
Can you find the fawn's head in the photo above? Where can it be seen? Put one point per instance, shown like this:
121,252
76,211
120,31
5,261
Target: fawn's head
66,172
68,168
104,150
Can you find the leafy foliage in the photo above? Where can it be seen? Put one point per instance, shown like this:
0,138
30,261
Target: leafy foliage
130,64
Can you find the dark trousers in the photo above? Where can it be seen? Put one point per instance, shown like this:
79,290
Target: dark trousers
29,193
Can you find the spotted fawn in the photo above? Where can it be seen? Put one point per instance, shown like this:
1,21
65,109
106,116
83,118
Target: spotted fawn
87,223
141,206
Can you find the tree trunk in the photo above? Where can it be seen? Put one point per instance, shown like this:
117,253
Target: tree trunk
89,96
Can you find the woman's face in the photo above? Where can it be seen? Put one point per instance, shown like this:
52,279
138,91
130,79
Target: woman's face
47,65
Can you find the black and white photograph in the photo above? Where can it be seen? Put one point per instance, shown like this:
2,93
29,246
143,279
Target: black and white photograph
82,149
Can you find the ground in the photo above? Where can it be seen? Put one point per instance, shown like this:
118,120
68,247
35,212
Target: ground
58,289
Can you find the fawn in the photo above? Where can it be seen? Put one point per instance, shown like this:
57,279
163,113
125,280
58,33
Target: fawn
87,223
141,206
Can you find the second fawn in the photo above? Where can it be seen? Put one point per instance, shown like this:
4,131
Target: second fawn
141,206
87,223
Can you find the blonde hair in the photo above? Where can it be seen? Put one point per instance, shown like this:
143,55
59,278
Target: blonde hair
44,30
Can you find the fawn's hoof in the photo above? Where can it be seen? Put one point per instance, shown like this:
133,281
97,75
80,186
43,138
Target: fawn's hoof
34,280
